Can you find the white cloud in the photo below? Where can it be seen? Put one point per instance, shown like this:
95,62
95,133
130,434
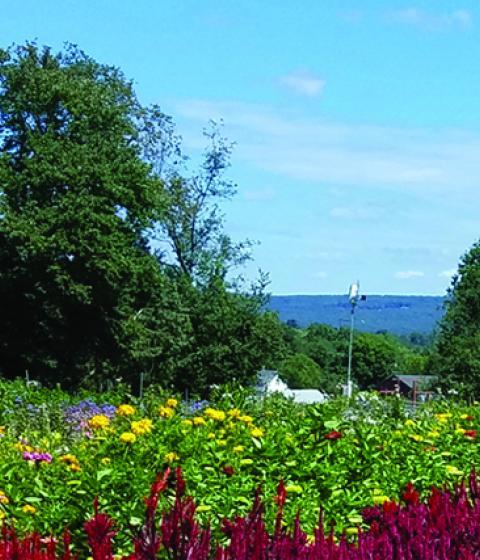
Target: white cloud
458,19
303,82
334,153
407,274
447,273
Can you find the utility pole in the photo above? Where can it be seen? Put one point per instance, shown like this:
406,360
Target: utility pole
354,297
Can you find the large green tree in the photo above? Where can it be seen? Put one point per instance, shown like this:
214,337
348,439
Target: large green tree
80,293
456,358
231,337
113,255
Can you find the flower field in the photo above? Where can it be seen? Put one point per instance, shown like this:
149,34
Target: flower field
58,452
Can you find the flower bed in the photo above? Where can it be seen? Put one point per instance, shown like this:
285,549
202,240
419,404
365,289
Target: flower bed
447,527
57,453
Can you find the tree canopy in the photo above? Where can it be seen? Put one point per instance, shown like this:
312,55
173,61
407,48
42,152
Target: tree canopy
456,360
87,176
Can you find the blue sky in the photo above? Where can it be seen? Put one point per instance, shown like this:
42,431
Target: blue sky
357,124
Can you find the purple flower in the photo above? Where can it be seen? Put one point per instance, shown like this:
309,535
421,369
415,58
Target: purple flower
37,457
78,415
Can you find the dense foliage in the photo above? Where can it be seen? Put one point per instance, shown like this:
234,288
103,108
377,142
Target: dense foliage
318,357
457,353
113,258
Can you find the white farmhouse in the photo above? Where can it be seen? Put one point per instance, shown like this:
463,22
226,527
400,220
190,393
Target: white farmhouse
269,381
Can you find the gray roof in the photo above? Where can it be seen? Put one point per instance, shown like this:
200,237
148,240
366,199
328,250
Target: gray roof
410,380
308,396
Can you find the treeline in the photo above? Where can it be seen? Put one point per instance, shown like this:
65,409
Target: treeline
318,357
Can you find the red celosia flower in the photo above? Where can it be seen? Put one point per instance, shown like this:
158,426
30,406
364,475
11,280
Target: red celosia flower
333,435
410,495
100,534
281,496
470,433
469,418
389,507
228,470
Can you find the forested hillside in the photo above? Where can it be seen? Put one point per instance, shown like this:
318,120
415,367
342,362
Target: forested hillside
400,315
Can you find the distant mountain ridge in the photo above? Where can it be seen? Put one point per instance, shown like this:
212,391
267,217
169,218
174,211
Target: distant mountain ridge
399,315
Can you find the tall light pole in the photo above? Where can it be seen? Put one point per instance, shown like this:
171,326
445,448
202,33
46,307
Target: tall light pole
353,297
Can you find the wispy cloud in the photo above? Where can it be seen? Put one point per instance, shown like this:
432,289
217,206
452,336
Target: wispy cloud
458,19
425,160
408,274
303,82
447,273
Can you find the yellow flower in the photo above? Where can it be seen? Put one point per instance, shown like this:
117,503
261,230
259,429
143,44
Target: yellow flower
409,422
416,437
2,429
246,462
211,435
380,499
246,419
443,417
257,432
239,449
125,410
172,403
166,412
3,498
170,457
222,442
128,437
202,508
141,427
215,414
234,413
68,458
75,467
460,431
99,422
29,509
187,422
464,416
453,470
2,514
106,461
433,434
199,421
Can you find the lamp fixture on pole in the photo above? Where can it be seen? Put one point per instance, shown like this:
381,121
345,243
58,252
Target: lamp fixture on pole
353,297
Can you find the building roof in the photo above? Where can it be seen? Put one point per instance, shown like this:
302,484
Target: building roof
307,396
410,380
